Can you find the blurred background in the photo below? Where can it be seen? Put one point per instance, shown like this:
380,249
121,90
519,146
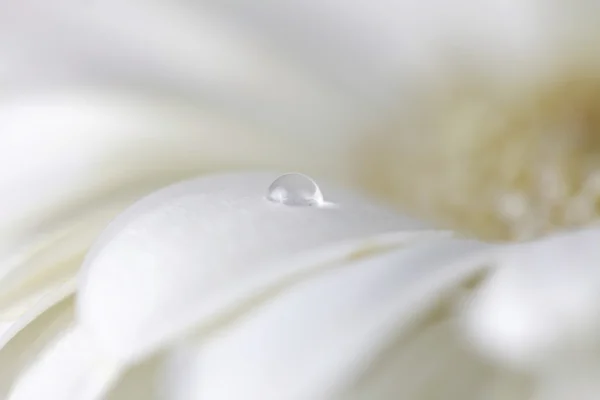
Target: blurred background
480,116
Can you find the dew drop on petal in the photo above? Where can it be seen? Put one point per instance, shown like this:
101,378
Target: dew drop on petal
295,190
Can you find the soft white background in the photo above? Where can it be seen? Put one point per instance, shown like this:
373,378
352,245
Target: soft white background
106,100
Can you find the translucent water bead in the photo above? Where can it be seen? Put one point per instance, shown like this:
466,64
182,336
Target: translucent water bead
295,190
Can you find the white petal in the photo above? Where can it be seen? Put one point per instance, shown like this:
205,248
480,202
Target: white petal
84,160
87,165
204,245
190,45
541,308
27,338
47,263
314,340
141,382
68,368
184,50
370,45
381,327
83,144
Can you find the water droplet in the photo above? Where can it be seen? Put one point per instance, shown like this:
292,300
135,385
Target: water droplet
295,190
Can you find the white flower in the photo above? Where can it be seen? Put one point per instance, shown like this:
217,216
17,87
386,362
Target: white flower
223,294
207,290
